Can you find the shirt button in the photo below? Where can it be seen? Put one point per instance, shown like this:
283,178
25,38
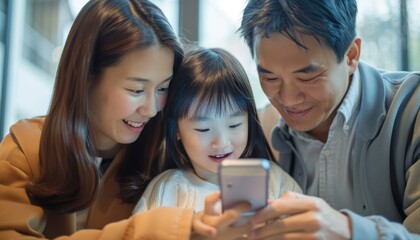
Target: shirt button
327,152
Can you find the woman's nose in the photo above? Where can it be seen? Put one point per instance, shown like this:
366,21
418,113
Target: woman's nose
149,107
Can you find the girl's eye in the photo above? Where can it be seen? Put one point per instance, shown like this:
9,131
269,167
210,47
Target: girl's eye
163,90
201,129
235,125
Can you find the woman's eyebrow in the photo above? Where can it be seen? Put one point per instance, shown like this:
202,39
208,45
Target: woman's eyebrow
137,79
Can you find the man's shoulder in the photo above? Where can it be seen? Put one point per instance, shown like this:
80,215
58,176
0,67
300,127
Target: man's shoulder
390,76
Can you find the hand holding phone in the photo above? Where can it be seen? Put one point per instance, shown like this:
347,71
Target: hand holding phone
244,180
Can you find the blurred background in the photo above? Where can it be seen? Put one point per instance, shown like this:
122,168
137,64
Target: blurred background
33,32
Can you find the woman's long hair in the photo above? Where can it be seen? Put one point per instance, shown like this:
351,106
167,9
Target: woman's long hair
102,34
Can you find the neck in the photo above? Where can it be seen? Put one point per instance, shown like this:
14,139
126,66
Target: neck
109,153
321,132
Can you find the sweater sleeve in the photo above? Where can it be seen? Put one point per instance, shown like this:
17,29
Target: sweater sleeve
377,227
19,219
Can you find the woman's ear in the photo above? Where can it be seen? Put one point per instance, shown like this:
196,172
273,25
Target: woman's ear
177,136
353,55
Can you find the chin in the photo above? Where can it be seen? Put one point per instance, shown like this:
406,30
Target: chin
128,140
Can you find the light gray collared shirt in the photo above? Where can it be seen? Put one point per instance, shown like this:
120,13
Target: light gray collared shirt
328,164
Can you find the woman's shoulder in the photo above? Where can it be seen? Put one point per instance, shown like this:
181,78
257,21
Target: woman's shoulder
20,148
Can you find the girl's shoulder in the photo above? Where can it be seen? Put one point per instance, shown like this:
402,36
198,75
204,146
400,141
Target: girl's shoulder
171,180
282,181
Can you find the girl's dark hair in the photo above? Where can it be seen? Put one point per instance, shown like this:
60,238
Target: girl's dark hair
102,34
331,21
214,79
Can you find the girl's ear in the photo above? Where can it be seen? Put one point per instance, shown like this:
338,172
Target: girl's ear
353,55
177,136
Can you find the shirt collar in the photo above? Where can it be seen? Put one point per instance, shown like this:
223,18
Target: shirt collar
350,104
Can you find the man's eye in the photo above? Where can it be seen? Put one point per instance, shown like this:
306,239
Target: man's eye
269,78
201,129
307,79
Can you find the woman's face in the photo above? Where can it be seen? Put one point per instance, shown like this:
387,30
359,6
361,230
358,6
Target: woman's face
128,95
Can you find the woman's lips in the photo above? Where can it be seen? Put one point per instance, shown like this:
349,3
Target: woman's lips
134,126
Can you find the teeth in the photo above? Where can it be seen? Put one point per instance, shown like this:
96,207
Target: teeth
133,124
220,156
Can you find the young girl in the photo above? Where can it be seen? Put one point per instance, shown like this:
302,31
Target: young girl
210,116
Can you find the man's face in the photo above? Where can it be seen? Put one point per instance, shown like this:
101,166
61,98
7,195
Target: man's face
305,85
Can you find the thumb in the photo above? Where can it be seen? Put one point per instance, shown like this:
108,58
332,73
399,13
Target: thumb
210,204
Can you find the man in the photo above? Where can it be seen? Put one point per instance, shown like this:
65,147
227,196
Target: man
349,134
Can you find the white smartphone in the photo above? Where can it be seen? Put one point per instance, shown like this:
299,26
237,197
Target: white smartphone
244,180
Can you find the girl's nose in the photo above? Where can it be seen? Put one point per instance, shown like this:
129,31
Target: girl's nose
220,140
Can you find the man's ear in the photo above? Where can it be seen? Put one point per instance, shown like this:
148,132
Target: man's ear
353,55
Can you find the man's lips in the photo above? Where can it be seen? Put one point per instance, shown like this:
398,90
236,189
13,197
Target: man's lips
297,113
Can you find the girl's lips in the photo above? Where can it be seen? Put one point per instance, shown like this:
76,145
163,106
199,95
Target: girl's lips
218,158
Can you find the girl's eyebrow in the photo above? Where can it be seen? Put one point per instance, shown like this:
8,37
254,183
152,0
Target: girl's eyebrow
204,118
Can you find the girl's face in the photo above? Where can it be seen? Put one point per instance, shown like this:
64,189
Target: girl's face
128,95
209,139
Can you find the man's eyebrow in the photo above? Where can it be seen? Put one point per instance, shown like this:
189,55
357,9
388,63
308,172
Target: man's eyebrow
262,70
146,80
309,69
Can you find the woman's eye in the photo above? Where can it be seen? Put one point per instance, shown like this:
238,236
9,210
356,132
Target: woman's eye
137,92
201,129
235,125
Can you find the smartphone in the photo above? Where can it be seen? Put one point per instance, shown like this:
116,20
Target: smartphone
244,180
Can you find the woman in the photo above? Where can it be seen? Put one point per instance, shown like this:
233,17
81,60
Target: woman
86,160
